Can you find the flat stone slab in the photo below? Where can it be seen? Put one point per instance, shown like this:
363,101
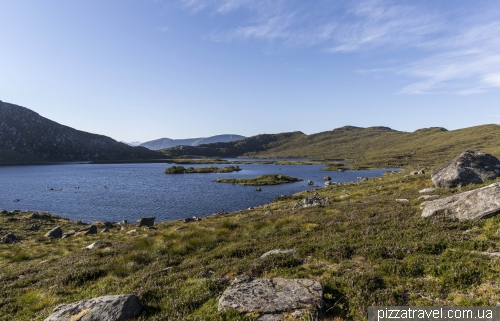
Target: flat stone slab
274,299
109,307
472,205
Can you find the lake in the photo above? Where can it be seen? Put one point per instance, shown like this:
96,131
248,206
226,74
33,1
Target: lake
113,192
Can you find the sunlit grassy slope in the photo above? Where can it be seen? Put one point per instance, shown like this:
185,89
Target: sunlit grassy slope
365,248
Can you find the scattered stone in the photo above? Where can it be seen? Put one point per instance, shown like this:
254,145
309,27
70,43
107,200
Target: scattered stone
55,233
89,230
426,197
427,190
16,200
146,221
9,239
132,231
80,222
108,224
109,307
402,200
5,212
166,269
327,178
268,213
312,201
472,205
279,251
124,222
258,189
180,228
469,167
105,230
34,227
274,299
328,183
91,246
309,182
344,195
192,219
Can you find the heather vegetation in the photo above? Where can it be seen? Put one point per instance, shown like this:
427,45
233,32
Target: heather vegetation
210,169
269,179
365,249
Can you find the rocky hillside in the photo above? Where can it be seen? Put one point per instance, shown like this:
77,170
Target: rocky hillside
162,143
27,137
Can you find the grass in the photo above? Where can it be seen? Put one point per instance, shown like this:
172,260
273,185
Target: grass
365,249
210,169
269,179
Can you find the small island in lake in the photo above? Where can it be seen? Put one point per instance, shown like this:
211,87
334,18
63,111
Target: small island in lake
210,169
269,179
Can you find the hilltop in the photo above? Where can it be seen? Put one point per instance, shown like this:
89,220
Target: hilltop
370,147
27,137
162,143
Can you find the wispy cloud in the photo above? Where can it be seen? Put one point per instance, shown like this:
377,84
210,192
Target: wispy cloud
455,52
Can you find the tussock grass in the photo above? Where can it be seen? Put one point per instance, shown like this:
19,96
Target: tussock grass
365,249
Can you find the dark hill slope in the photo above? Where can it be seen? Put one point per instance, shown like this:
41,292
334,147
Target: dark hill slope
372,146
254,144
27,137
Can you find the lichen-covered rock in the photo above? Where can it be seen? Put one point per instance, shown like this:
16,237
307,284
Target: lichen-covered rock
89,230
469,167
146,221
313,200
109,307
55,233
279,251
472,205
274,299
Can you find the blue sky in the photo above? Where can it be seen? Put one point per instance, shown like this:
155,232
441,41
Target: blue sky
144,69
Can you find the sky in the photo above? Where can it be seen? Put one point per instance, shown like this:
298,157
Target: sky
138,70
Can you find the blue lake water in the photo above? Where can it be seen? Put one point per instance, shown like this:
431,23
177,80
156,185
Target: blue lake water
113,192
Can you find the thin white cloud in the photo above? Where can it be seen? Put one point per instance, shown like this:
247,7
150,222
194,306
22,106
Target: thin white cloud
458,51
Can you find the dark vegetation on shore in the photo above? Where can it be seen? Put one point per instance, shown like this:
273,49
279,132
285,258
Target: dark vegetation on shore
365,249
269,179
210,169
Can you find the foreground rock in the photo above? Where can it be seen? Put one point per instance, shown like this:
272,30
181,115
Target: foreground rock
312,201
274,299
109,307
9,239
472,205
469,167
146,221
279,251
55,233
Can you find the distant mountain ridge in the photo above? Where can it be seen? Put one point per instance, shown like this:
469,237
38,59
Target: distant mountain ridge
162,143
27,137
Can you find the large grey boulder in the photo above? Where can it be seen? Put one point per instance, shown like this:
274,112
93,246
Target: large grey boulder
469,167
472,205
109,307
274,299
55,233
313,200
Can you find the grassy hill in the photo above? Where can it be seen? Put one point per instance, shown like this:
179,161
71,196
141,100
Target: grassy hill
365,249
27,137
372,146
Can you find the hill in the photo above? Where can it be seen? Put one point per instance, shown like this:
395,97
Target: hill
27,137
162,143
372,146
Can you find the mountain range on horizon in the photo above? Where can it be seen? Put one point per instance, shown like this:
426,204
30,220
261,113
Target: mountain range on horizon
162,143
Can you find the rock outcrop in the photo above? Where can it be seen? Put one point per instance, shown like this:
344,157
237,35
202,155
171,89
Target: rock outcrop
9,239
469,167
55,233
146,221
109,307
274,299
312,201
472,205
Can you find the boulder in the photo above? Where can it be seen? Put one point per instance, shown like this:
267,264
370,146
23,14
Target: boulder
109,307
55,233
9,239
328,183
469,167
146,221
89,230
4,212
69,233
105,230
279,251
327,178
91,246
309,182
427,190
274,299
34,227
192,219
258,189
312,201
472,205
